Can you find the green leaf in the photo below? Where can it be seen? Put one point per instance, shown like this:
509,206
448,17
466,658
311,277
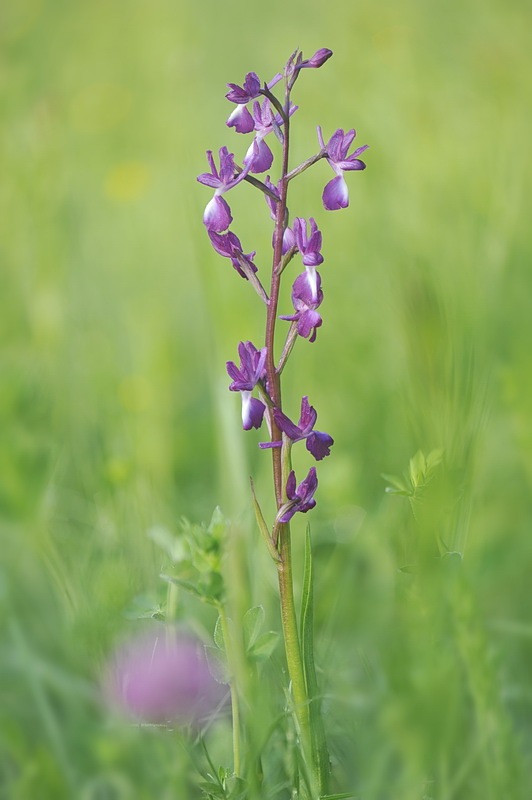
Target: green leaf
264,646
398,486
217,663
218,524
212,588
219,635
341,796
402,492
262,525
418,469
239,789
212,790
190,587
252,623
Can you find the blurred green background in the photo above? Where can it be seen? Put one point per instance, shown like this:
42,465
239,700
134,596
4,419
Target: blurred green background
116,320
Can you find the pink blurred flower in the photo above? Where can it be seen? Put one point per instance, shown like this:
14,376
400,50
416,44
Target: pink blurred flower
162,676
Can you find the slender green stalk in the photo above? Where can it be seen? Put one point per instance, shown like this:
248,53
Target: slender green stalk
235,709
291,637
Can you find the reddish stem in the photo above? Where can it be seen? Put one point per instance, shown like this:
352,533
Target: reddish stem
274,382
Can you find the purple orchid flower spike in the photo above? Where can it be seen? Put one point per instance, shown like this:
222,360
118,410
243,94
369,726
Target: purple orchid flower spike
305,304
252,370
336,193
217,215
240,119
317,442
300,498
228,245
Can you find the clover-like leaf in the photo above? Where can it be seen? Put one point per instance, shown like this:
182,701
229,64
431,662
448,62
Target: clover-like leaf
219,635
217,663
264,646
252,624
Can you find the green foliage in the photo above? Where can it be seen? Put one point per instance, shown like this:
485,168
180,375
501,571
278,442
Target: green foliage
198,559
225,787
420,473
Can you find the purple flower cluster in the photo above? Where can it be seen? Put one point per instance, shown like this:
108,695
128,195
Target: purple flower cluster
336,193
245,378
259,112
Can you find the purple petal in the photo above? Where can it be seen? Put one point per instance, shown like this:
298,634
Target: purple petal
351,164
306,290
308,416
319,444
226,244
313,279
336,194
252,85
274,80
288,240
287,516
334,145
227,166
209,180
359,151
307,323
312,259
291,486
347,141
287,426
290,317
259,157
236,375
236,94
306,488
252,411
314,333
217,215
241,120
308,505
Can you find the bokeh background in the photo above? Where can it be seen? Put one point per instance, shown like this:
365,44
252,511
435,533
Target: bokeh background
117,318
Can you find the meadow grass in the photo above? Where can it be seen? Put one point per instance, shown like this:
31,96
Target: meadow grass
116,319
